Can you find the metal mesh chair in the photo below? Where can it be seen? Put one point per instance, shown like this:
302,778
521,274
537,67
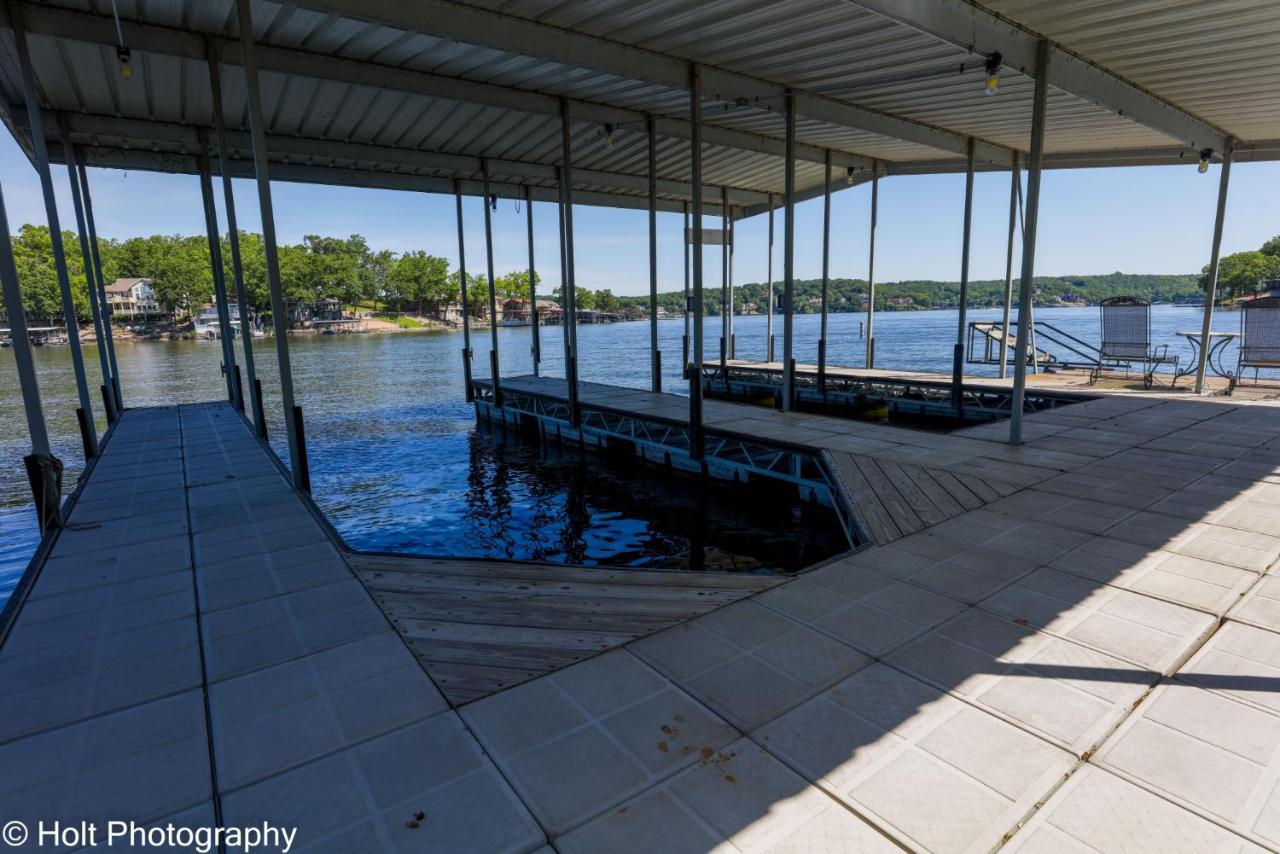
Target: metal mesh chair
1126,338
1259,335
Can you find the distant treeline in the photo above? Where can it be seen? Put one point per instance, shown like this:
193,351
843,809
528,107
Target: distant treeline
850,294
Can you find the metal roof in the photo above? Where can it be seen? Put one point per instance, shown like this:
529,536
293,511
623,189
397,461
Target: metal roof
413,96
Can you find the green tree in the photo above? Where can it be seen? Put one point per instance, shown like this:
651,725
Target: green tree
606,301
477,291
420,278
1240,273
38,277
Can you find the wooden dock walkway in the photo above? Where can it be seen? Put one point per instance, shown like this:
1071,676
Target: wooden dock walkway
480,626
1087,658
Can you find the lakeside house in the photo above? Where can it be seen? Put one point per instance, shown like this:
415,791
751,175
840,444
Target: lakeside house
515,312
134,299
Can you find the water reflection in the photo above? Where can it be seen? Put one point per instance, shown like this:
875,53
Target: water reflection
533,501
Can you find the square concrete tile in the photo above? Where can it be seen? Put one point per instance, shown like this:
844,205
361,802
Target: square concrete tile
73,681
1148,632
1066,693
1098,811
749,663
586,738
1210,753
869,612
369,797
932,772
1261,605
1239,661
141,763
1183,580
260,634
272,719
740,799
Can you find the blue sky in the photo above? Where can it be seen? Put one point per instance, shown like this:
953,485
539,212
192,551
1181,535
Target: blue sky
1133,220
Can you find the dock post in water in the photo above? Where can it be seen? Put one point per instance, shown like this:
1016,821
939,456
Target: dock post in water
86,254
489,205
957,355
233,238
44,470
40,154
789,256
101,285
726,307
225,331
768,322
684,342
466,305
695,365
535,345
871,266
655,357
571,286
279,311
826,269
1039,110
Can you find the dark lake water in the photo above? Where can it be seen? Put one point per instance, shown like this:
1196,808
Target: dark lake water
397,463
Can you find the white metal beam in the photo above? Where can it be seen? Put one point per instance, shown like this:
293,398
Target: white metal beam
969,26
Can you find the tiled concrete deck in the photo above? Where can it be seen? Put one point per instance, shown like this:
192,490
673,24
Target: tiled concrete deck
1091,663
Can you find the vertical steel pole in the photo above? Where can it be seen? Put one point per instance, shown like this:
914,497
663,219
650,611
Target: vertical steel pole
826,270
466,305
279,311
493,297
731,236
233,238
1029,240
789,257
100,282
566,189
535,346
44,471
23,357
86,254
871,266
684,238
725,308
41,156
225,331
695,369
655,357
1014,184
957,355
1214,253
564,272
768,322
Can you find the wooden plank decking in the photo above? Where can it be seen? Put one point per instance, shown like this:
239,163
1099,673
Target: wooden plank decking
480,626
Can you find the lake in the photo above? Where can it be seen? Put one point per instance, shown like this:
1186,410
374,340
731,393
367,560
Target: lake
397,463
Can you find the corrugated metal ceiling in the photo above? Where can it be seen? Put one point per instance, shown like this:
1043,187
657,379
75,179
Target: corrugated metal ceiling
1211,58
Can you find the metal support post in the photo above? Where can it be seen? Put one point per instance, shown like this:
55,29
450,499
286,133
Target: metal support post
957,355
1029,239
1212,291
1015,182
279,310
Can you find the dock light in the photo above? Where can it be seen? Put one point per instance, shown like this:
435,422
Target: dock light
1204,160
993,73
848,175
608,136
126,67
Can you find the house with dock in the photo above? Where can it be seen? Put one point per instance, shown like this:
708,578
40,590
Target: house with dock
1049,621
133,299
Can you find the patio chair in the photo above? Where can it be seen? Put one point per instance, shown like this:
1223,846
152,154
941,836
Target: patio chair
1259,336
1126,339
